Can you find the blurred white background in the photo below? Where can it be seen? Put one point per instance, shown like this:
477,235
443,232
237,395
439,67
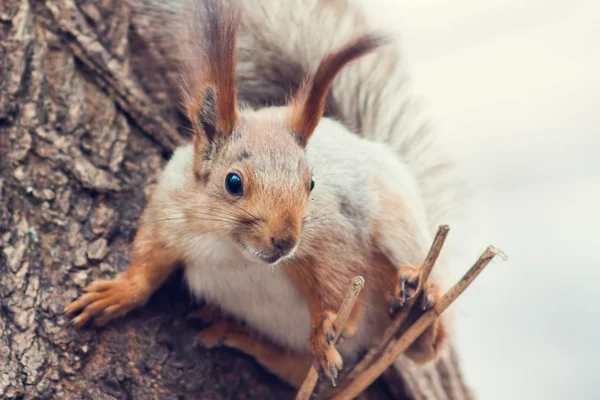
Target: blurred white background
513,86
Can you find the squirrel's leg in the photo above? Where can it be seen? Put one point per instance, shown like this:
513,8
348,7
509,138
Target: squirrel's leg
429,343
324,294
326,358
289,366
401,235
151,263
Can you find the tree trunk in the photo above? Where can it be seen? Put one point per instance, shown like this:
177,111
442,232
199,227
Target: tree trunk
87,118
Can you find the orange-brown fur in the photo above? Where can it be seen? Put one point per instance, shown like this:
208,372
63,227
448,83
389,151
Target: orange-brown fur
308,106
266,149
290,366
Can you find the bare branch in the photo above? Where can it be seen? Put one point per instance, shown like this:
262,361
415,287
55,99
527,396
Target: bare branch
392,331
340,322
379,366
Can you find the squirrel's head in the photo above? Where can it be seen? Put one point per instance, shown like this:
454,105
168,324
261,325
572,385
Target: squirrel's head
253,182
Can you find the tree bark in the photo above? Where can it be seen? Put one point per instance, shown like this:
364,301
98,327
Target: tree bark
87,118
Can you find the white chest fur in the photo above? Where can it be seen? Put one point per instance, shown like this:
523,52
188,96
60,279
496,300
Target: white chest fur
261,295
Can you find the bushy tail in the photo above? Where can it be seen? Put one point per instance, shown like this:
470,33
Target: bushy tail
281,41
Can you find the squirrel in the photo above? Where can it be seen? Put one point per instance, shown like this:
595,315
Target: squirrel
273,210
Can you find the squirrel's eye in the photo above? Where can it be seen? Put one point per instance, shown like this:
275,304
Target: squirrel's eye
312,184
233,184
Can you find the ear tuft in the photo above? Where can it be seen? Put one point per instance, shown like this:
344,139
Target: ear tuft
208,70
308,105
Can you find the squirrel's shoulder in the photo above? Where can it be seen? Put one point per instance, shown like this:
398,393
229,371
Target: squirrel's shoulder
178,169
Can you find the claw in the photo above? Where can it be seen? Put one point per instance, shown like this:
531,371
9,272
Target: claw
332,374
403,280
391,301
76,322
407,280
427,301
329,337
394,304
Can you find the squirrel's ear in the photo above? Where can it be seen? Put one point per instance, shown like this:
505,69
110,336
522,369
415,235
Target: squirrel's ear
210,119
209,60
308,105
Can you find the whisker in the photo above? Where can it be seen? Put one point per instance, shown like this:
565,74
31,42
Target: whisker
222,216
161,220
255,219
237,219
329,174
312,212
336,217
320,220
183,219
324,165
222,213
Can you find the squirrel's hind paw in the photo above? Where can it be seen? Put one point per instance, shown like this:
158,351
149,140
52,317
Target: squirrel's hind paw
327,360
213,336
207,313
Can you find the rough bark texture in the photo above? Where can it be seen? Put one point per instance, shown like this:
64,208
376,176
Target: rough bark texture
87,119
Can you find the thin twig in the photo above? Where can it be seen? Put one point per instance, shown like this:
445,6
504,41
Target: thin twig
362,381
392,331
340,322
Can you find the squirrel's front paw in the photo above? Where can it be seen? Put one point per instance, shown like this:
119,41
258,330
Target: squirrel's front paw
428,345
407,280
104,301
327,360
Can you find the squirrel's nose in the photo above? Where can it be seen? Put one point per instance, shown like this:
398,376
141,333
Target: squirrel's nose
283,245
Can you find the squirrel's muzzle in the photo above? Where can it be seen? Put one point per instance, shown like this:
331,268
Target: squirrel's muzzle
283,245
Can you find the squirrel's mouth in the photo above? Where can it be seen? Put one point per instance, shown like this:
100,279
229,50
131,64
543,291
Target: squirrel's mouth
265,257
280,254
272,259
